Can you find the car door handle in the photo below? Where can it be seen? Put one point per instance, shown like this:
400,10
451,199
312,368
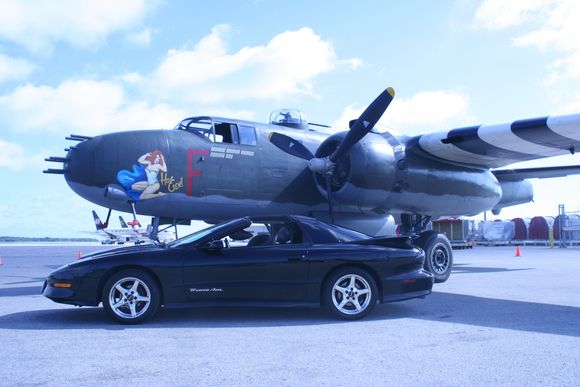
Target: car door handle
299,258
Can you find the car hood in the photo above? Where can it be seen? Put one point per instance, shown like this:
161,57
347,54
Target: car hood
118,252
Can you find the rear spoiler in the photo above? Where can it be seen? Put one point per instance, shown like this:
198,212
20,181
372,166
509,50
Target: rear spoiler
400,242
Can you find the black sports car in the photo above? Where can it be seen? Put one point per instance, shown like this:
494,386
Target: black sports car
295,261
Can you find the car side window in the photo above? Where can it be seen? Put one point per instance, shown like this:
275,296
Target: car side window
289,233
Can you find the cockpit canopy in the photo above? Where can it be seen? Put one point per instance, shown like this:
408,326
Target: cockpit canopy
291,118
220,130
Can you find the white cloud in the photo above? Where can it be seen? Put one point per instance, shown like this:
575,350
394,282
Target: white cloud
498,14
559,28
84,106
39,24
554,27
424,112
133,78
208,72
142,38
571,106
14,68
564,68
13,157
205,78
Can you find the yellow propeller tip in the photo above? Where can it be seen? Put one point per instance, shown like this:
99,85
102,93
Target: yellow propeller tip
391,91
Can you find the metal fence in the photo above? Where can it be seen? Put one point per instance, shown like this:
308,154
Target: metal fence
568,226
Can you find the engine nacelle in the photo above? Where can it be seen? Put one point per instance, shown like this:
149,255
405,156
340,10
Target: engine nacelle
367,175
513,193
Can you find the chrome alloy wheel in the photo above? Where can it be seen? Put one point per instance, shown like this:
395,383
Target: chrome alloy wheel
440,258
351,294
129,298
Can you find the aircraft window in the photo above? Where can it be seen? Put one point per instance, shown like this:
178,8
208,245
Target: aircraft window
247,135
196,125
226,133
220,132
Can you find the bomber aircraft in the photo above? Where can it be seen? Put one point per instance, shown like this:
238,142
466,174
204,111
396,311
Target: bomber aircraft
214,168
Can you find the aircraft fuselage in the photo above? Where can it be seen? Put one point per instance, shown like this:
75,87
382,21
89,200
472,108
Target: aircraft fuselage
186,175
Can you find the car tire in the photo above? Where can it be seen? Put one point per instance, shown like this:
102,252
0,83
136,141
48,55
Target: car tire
439,258
131,296
350,293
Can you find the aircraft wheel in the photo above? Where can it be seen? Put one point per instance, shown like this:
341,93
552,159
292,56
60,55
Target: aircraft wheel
438,256
350,293
131,296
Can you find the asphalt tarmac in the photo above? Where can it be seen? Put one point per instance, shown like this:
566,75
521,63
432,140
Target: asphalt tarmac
499,320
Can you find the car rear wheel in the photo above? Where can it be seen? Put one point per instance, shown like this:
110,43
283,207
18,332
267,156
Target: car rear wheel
350,293
131,296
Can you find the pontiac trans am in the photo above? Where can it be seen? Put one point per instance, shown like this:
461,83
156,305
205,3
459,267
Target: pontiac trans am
278,261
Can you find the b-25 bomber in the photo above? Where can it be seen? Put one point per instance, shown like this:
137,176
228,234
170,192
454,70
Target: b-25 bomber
214,168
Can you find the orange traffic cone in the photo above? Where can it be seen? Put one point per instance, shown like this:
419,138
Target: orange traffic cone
518,252
79,254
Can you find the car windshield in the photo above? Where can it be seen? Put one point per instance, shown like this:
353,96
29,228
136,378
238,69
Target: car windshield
345,235
198,235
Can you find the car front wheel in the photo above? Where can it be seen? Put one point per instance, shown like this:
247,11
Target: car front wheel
131,296
350,293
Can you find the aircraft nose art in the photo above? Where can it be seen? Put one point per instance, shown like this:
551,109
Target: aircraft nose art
96,165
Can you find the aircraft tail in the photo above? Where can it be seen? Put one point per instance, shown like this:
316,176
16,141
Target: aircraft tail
122,221
98,223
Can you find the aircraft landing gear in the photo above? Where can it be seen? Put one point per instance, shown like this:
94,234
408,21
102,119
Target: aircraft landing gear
438,252
156,222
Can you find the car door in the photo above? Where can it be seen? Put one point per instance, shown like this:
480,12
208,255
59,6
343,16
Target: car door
261,274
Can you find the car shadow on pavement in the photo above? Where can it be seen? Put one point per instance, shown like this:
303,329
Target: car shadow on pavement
488,312
465,268
96,318
438,307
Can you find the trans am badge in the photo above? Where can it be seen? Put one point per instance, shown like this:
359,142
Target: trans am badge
206,290
143,183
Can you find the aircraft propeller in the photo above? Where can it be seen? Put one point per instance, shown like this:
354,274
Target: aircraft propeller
325,165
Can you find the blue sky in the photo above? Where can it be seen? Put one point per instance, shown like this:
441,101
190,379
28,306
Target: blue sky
91,67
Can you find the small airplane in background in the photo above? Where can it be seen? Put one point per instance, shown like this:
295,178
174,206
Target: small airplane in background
121,235
215,168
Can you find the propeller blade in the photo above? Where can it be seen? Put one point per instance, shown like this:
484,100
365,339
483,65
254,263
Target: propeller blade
364,123
329,196
290,146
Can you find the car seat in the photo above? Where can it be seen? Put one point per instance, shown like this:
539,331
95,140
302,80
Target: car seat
286,234
259,240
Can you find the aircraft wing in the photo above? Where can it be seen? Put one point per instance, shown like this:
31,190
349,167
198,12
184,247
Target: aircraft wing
493,146
539,173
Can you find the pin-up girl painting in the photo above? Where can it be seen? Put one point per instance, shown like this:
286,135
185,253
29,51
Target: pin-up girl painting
143,183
